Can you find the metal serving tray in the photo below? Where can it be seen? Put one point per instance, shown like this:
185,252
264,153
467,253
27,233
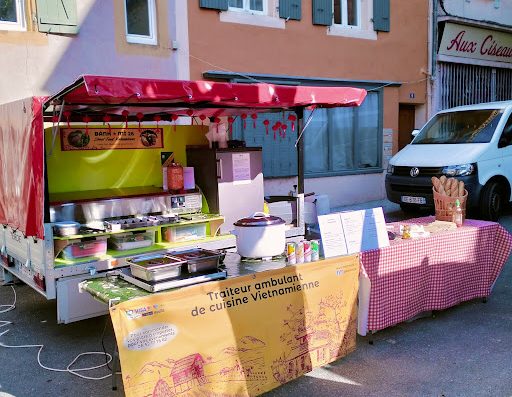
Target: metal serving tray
125,274
155,267
200,260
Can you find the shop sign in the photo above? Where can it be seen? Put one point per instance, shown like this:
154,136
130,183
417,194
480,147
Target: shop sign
111,138
238,337
476,43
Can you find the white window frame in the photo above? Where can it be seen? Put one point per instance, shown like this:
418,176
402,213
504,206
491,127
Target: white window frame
140,39
364,29
20,25
344,15
246,8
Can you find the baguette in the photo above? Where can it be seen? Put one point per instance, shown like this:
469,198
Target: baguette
461,188
436,183
442,179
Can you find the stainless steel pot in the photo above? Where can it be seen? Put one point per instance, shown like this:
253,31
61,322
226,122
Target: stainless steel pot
260,236
67,228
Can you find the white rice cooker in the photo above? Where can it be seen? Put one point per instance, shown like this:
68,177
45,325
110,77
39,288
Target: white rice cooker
260,236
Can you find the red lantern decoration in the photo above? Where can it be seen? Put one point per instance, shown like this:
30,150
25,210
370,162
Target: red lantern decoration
202,117
55,119
292,118
139,116
254,116
283,128
67,115
106,120
190,113
157,118
125,114
231,120
274,128
86,120
266,123
174,117
217,120
244,117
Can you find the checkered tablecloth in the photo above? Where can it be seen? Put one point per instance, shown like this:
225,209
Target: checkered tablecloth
433,273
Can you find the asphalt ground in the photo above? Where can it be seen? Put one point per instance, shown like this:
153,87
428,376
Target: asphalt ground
465,350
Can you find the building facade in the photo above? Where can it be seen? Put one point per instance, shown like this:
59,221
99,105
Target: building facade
47,44
472,54
379,45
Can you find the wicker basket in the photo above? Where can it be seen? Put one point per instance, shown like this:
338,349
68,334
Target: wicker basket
445,205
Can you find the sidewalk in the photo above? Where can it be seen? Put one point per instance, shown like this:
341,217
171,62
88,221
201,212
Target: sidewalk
465,350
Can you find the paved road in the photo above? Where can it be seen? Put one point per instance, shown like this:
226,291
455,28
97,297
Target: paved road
465,351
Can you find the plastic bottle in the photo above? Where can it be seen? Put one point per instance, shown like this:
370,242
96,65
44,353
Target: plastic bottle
457,214
175,176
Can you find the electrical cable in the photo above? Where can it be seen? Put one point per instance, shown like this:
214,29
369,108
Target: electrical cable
73,371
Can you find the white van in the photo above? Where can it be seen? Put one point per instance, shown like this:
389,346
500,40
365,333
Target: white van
472,143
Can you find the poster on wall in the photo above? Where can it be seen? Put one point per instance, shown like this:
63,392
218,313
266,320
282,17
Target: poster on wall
241,336
111,138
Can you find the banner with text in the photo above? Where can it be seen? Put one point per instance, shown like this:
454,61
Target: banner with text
111,138
241,336
476,43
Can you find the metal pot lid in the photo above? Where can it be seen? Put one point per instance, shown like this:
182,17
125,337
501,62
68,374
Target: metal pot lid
259,219
66,224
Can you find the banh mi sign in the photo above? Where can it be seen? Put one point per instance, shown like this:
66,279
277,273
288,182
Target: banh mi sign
111,138
476,43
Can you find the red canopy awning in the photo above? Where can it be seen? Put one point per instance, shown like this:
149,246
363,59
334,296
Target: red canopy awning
98,95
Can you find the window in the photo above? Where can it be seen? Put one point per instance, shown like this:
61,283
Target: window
12,15
346,12
141,21
253,6
343,140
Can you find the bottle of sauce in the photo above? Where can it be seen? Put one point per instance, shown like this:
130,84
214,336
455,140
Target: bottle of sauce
175,176
457,214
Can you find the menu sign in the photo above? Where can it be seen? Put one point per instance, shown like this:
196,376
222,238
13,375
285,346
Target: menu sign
111,138
353,231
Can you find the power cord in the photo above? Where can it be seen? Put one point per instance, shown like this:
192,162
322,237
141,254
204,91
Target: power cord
73,371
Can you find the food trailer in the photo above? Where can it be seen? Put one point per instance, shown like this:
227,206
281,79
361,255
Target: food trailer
81,187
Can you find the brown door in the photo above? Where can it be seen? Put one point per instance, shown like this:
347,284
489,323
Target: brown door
405,125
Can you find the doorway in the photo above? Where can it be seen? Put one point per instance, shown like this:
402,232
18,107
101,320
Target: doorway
406,124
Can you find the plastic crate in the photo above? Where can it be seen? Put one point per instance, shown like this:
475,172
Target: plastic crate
83,249
132,240
185,233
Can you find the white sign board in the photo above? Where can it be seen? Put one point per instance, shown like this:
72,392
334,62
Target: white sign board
349,232
241,168
476,43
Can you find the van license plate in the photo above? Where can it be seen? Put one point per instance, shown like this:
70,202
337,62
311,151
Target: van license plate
414,200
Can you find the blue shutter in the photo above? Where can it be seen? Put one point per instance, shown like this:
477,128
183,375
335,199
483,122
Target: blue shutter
57,16
279,155
290,9
381,11
322,12
214,4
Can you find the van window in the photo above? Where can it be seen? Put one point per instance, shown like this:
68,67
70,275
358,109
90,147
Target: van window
468,126
506,135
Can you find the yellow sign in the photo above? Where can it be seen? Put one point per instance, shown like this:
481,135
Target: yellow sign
111,138
241,336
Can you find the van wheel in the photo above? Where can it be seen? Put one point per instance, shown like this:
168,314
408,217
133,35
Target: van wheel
491,201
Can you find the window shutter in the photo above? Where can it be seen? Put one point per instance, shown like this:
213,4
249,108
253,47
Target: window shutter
214,4
381,11
322,12
290,9
57,16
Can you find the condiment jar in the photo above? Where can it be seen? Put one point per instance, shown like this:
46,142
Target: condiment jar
175,176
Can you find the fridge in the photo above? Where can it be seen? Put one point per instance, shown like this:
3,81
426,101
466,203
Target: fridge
231,180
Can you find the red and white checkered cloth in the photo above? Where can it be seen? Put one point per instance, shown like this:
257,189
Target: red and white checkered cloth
433,273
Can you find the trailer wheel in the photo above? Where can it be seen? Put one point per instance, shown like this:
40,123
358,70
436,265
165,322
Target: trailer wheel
491,201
